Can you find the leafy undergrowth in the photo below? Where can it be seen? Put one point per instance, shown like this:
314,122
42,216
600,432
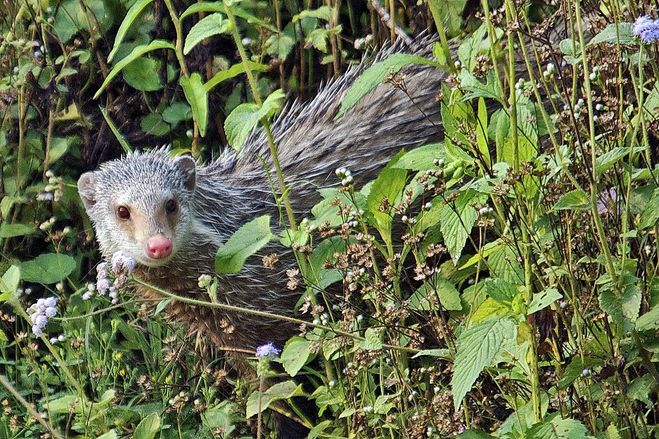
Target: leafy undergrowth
500,282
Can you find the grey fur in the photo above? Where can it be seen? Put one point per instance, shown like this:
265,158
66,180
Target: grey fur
233,189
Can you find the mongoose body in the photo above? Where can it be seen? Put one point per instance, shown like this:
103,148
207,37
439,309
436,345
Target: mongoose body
171,215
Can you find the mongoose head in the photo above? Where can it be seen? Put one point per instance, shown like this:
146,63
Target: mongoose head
141,205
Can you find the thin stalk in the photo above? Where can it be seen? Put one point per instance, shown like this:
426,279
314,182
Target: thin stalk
263,314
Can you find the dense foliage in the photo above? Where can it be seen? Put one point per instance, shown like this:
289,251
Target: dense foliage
501,281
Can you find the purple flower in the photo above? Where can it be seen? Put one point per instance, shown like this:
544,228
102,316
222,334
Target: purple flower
607,200
267,350
646,29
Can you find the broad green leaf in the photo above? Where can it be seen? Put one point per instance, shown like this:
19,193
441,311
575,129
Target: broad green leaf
476,89
280,44
436,288
143,74
14,230
260,401
481,132
614,33
450,14
456,221
571,50
478,43
208,26
232,72
71,18
373,340
132,56
318,39
323,13
648,321
246,241
177,112
374,75
543,299
386,190
153,124
622,307
222,415
131,16
112,434
490,308
474,434
573,200
477,347
295,355
65,404
48,268
197,97
610,158
10,280
557,428
500,290
650,213
148,427
219,7
487,250
244,118
422,158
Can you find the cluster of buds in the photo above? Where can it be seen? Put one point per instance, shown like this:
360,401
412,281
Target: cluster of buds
345,175
41,312
53,190
48,224
549,71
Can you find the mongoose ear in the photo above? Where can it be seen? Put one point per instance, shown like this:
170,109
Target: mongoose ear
189,170
87,189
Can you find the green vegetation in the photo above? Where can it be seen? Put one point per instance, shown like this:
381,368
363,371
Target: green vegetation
502,281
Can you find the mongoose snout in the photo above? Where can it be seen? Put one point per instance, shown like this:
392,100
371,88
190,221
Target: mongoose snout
158,247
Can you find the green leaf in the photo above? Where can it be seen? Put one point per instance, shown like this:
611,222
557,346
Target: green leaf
154,125
148,427
60,145
242,120
614,33
610,158
557,428
143,74
422,158
374,75
648,321
373,340
481,132
219,7
260,401
11,278
571,50
197,97
48,268
650,213
500,290
232,72
72,18
177,112
576,199
323,13
624,306
280,44
14,230
246,241
439,353
65,405
490,308
575,369
543,299
450,13
295,355
131,16
456,221
386,189
112,434
132,56
213,24
477,347
476,89
449,297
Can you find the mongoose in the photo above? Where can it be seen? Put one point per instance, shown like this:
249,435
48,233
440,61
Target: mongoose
172,215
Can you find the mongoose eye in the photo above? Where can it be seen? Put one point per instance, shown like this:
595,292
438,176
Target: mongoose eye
123,212
170,206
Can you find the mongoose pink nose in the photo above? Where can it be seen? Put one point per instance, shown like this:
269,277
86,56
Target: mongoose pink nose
158,247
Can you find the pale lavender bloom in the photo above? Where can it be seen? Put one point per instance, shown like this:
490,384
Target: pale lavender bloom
606,200
122,262
267,350
41,312
646,29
